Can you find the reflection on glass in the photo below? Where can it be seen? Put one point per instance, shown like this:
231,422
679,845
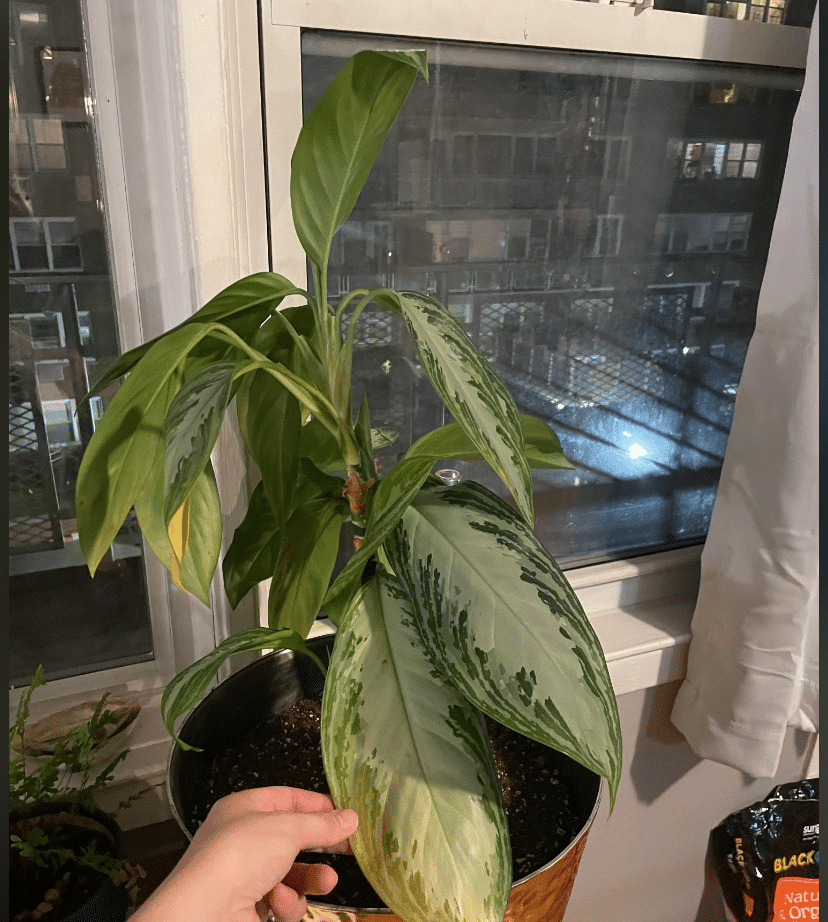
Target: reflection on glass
62,336
776,12
547,200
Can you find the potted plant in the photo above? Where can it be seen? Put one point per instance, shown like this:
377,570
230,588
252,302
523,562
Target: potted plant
66,859
449,608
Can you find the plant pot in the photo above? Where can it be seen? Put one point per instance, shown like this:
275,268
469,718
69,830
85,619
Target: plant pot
274,683
107,903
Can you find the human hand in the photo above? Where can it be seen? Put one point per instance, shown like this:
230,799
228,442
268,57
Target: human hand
244,853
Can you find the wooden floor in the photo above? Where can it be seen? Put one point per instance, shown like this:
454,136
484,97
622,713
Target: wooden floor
156,848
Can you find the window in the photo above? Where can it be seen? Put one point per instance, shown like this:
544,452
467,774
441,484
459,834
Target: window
608,235
698,233
715,159
776,12
579,260
44,245
63,331
757,10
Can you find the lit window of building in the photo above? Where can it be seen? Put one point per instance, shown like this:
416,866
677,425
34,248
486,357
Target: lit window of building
702,159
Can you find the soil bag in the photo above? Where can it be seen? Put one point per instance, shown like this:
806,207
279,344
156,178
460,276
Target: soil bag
766,857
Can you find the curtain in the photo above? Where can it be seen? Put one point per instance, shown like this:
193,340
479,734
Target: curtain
753,659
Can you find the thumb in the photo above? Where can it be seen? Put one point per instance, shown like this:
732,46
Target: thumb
324,829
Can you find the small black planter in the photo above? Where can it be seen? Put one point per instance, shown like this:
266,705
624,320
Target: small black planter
108,903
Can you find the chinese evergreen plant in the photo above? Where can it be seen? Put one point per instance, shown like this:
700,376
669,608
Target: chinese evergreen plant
449,608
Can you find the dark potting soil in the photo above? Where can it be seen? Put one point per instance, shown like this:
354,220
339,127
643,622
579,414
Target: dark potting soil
285,750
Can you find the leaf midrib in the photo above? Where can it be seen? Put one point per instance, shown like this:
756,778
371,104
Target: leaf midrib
425,774
335,222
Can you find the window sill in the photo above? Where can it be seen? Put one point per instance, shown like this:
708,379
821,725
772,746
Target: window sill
641,610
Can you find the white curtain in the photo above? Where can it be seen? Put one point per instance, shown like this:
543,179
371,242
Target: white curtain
753,666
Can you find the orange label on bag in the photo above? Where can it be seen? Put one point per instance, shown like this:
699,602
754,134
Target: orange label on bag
796,898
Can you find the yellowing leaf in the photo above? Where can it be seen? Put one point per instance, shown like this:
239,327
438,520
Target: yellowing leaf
179,530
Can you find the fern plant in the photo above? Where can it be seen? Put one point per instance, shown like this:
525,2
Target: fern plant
450,608
65,776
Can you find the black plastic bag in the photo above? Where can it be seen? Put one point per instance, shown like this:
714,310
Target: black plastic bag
766,857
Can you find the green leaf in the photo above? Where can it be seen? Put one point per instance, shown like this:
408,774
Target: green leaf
314,482
273,335
312,399
191,427
542,447
273,423
388,500
318,445
204,544
252,554
411,756
383,438
115,465
364,438
187,688
504,625
470,388
340,140
242,306
305,563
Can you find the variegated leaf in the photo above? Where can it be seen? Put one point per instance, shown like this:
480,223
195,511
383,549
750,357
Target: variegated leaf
195,571
191,428
387,502
542,447
500,619
411,756
470,388
187,688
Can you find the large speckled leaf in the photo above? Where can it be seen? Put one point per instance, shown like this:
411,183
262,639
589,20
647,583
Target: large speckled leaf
470,388
411,756
498,616
340,140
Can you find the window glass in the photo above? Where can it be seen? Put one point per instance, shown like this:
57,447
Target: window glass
529,192
776,12
62,336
